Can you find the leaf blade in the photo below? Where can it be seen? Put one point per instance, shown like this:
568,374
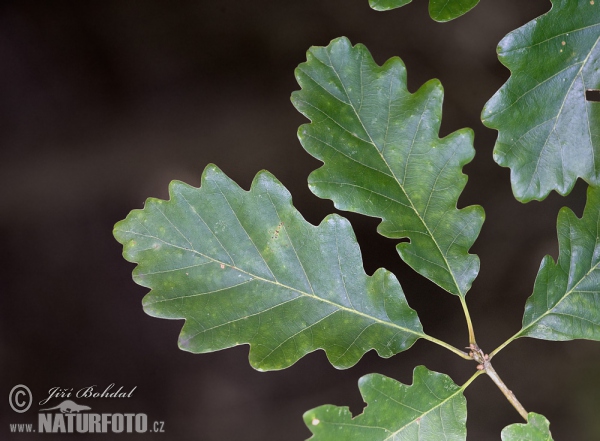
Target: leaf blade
245,267
382,158
387,5
536,429
547,131
430,409
564,302
446,10
439,10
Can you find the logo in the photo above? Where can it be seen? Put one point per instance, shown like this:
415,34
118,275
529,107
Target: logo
71,417
20,398
68,406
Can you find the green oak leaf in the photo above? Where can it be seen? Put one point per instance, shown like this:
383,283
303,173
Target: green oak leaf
383,158
386,5
245,267
536,429
548,134
433,408
440,10
566,295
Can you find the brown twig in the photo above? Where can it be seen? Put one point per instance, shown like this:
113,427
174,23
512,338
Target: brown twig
485,365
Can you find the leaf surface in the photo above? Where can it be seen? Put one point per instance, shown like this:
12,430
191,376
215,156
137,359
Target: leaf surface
386,5
566,295
440,10
548,133
383,158
433,408
536,429
245,267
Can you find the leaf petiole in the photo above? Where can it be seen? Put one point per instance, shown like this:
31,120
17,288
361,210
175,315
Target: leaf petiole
469,323
506,343
470,380
447,346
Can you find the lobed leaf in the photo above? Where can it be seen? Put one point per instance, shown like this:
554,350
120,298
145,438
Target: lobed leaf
433,408
440,10
245,267
536,429
383,158
566,295
548,133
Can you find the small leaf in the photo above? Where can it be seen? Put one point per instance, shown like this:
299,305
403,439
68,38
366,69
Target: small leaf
245,267
386,5
433,408
383,158
440,10
536,429
548,133
566,295
446,10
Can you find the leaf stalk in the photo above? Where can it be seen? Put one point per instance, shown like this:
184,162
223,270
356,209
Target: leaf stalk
470,380
451,348
506,343
469,323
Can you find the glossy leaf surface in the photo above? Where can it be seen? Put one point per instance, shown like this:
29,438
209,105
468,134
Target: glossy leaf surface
433,408
566,296
245,267
440,10
548,133
383,158
536,429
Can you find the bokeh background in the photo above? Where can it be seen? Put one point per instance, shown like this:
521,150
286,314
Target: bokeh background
102,103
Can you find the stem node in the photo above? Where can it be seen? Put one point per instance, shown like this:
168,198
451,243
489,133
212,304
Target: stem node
485,365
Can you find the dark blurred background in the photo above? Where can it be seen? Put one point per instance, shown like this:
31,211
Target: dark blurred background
103,103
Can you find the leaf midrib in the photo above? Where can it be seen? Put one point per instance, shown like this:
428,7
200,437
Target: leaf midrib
396,432
372,142
579,72
437,406
567,294
281,285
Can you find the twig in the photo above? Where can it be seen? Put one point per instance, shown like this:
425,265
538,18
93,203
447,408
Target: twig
485,365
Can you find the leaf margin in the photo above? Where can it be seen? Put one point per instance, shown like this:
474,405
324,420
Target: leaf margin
496,105
421,375
380,273
435,11
434,87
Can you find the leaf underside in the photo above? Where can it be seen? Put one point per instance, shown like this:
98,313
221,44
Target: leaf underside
536,429
440,10
566,295
433,408
548,134
245,267
383,158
